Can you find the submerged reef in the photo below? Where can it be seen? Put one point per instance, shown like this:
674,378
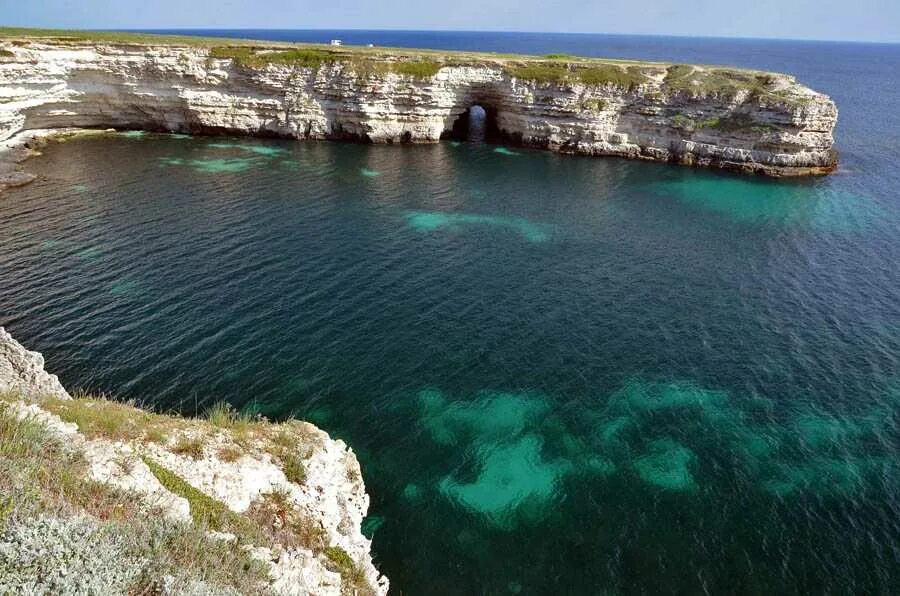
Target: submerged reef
518,455
429,221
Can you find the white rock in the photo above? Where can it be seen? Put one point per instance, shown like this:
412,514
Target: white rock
181,89
23,372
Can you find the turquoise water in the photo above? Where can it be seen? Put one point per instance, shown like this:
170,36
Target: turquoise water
561,374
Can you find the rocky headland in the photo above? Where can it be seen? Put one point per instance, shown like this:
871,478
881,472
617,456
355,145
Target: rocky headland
100,497
741,120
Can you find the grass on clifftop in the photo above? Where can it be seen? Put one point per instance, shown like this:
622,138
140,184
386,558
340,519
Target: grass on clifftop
44,479
40,477
206,511
624,77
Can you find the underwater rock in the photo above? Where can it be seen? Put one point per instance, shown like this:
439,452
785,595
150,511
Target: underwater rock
515,481
667,465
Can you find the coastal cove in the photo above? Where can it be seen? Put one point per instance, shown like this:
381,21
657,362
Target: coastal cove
559,373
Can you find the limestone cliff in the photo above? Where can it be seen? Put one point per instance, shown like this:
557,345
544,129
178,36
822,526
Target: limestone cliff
740,120
290,498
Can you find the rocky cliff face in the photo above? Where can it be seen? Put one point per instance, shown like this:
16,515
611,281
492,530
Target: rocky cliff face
739,120
22,371
302,489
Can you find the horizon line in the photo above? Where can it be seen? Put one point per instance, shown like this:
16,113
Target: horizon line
502,31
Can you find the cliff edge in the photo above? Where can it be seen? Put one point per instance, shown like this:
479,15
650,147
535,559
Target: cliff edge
742,120
102,497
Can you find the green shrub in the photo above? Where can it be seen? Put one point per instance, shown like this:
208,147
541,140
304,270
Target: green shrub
560,57
206,511
595,105
77,555
418,69
293,467
286,524
229,454
610,74
735,123
683,122
223,415
190,446
540,73
353,579
250,57
4,53
340,558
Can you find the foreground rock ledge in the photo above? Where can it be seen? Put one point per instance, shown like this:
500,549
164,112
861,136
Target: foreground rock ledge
746,121
241,466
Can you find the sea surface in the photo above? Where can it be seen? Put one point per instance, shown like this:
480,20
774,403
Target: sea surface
562,375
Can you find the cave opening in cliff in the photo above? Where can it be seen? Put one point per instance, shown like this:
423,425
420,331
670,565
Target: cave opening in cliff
477,124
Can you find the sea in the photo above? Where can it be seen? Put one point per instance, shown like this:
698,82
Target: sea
561,375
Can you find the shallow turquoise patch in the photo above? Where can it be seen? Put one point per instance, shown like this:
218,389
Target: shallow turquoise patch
642,397
748,200
491,417
263,150
126,287
505,151
79,188
215,166
667,465
412,492
820,432
821,475
513,476
369,173
429,221
90,254
134,134
172,161
179,136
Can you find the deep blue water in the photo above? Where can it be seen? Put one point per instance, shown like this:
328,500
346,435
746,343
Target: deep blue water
561,374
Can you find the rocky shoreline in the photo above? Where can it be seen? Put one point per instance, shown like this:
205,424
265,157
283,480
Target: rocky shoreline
286,496
739,120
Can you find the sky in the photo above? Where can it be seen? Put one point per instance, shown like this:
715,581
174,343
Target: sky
856,20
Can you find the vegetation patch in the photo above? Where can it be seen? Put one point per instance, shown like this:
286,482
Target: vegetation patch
223,415
48,500
724,82
4,53
285,524
206,511
229,454
624,77
596,105
418,69
611,75
353,579
189,446
293,467
738,122
97,417
252,57
541,73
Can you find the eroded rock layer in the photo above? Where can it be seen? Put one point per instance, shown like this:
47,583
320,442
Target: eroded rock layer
740,120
